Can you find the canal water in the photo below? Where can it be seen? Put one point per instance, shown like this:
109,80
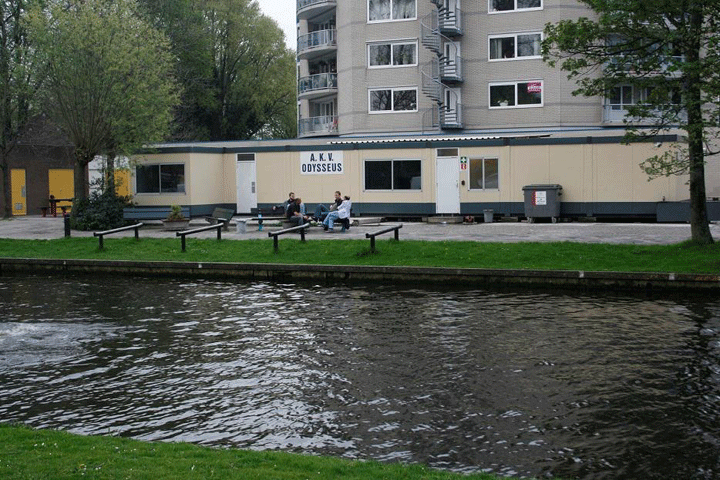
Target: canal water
522,383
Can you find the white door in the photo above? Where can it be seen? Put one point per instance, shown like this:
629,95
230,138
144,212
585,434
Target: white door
246,183
447,175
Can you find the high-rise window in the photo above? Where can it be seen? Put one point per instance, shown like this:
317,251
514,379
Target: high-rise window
392,100
516,94
523,45
511,5
392,54
387,10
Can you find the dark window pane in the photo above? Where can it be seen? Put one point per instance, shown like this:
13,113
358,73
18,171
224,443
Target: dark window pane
404,100
147,178
406,175
404,54
403,9
379,55
529,3
379,10
502,95
377,175
380,100
476,172
502,5
491,173
172,178
528,93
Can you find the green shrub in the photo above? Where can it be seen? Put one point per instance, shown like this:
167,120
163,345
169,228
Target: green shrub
100,211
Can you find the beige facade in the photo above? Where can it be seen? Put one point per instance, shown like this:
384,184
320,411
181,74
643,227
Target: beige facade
410,176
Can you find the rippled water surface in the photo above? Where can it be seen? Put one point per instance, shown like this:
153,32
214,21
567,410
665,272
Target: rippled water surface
517,383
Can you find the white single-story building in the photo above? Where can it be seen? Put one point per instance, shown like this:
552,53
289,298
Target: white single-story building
419,176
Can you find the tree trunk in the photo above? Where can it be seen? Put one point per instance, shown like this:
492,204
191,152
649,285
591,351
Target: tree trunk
80,177
699,225
6,187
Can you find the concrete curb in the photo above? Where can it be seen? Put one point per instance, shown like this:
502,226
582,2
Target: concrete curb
633,281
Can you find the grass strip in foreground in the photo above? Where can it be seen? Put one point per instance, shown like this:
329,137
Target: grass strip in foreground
679,258
49,454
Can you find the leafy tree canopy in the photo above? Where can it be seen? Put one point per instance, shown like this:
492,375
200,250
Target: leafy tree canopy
238,75
667,53
108,82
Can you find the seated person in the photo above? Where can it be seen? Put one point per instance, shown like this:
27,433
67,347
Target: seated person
342,212
321,211
294,213
283,207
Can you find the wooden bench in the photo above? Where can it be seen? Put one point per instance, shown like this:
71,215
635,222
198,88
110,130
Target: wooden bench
372,236
221,215
151,213
100,235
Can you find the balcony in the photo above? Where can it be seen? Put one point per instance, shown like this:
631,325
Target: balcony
450,22
451,116
317,85
451,69
313,8
317,43
318,126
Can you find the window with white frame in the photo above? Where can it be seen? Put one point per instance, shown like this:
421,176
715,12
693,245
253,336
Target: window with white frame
388,10
392,54
621,97
483,174
520,45
516,94
162,178
385,100
393,175
513,5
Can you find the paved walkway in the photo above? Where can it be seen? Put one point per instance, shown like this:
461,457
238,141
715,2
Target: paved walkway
37,227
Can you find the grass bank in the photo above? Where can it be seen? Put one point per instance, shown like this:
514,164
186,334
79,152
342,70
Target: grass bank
680,258
48,454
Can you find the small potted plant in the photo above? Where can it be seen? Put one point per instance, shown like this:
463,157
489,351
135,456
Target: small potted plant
175,219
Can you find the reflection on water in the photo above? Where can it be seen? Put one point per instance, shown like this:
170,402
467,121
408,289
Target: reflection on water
526,384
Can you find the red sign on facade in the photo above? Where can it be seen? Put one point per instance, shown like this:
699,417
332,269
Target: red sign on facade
534,87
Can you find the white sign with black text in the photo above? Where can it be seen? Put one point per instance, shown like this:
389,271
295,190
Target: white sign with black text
321,163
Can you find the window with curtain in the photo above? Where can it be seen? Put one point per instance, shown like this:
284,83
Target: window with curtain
515,46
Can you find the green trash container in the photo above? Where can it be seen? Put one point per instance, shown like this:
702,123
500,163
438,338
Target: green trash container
542,201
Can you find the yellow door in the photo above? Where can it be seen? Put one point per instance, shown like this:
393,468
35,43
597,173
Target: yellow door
61,183
18,191
122,182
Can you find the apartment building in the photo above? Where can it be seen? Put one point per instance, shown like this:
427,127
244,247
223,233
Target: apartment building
421,66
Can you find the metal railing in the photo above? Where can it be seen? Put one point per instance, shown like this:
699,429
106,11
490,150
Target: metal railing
326,124
320,81
316,40
303,5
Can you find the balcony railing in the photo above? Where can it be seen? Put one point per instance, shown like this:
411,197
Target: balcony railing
305,6
451,116
316,41
450,22
318,83
451,69
324,125
618,113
